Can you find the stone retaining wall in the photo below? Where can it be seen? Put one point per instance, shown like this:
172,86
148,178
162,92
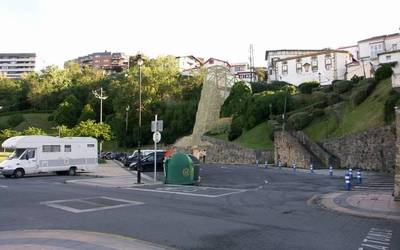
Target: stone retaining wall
373,149
224,152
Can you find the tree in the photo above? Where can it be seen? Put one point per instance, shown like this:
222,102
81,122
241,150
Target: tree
7,133
90,128
87,113
68,111
237,99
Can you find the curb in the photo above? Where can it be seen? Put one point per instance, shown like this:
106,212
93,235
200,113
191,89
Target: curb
327,201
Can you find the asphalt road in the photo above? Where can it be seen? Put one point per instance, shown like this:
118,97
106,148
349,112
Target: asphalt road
246,208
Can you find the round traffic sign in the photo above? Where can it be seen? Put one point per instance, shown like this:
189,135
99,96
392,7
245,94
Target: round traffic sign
156,137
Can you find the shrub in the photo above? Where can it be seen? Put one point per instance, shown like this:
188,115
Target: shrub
300,120
307,87
236,128
320,105
15,120
341,86
388,110
318,112
355,79
383,72
363,92
333,98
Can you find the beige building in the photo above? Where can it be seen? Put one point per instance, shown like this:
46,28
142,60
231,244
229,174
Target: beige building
14,65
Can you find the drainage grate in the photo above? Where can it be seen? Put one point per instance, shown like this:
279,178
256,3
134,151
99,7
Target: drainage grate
90,204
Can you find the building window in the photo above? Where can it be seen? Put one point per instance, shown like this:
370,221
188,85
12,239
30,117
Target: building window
388,57
314,64
394,46
376,48
306,67
67,148
284,68
51,148
90,145
328,62
299,67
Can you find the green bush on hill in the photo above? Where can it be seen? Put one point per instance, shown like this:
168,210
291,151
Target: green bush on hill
333,98
341,86
236,128
390,103
15,120
360,94
383,72
308,87
300,120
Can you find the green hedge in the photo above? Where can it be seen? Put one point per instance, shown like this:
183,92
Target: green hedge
307,87
391,102
236,128
300,120
341,86
359,95
383,72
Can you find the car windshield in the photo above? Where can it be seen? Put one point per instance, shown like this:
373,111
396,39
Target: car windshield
17,153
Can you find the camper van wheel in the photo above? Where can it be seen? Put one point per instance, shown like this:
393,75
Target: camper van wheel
72,171
19,173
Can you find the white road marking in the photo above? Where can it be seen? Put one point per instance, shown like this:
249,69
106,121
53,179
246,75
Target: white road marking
190,191
377,239
2,186
266,182
55,204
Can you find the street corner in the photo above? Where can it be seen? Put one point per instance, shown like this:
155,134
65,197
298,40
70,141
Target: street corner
70,239
365,204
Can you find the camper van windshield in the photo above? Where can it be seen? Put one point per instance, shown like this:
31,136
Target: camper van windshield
17,153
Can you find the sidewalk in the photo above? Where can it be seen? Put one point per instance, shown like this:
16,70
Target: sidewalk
111,174
366,204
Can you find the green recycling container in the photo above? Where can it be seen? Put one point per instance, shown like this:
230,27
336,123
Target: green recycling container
179,170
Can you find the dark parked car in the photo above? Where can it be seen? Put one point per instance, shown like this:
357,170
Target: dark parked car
148,162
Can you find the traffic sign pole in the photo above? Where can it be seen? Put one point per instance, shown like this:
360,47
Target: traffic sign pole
155,155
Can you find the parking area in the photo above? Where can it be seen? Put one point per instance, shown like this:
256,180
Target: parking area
209,192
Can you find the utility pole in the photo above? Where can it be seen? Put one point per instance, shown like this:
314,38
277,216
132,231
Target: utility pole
101,97
126,123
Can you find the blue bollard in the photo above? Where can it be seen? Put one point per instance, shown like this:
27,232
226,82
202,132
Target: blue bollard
359,179
294,167
311,169
256,163
351,174
330,171
347,182
279,164
266,164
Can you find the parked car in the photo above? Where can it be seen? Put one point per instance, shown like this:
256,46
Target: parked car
148,162
134,156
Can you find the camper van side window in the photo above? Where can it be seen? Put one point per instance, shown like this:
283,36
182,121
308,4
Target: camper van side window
90,145
51,148
67,148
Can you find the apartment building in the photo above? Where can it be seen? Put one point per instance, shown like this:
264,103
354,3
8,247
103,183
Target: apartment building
14,65
108,61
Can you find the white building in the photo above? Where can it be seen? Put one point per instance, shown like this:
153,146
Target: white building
213,61
13,65
323,66
242,72
187,64
394,58
370,48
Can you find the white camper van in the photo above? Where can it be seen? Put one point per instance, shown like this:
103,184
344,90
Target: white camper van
39,154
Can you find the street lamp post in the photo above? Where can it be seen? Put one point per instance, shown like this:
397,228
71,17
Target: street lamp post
101,97
139,169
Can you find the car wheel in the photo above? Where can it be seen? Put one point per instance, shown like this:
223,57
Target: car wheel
19,173
72,171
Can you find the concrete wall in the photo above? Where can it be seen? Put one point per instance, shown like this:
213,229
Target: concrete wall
373,149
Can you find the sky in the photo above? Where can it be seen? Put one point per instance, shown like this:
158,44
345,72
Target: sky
59,30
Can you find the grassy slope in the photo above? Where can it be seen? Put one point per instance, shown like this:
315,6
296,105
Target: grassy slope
347,119
38,120
257,137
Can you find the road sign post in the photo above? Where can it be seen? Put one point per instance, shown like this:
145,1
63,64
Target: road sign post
156,127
